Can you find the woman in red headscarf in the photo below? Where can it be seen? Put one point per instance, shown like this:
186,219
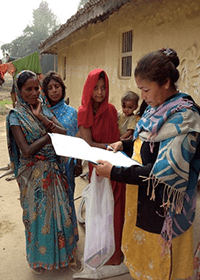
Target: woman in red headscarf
97,121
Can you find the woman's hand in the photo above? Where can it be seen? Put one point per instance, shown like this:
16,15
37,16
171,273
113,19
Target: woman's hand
117,146
37,109
50,125
26,149
103,168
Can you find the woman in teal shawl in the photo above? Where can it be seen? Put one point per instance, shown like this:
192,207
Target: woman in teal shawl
54,90
44,192
161,194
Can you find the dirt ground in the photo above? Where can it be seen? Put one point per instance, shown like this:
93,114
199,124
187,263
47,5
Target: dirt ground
13,264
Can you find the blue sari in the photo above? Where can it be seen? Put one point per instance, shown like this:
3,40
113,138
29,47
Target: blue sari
67,116
44,194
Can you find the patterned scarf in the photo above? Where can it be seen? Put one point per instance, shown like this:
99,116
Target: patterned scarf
176,126
31,126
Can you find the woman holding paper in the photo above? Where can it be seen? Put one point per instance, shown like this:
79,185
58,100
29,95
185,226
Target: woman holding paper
158,232
50,239
97,121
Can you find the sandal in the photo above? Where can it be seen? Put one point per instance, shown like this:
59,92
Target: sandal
75,265
38,270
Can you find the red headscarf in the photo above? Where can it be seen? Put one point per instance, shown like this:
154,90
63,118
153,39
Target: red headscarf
103,124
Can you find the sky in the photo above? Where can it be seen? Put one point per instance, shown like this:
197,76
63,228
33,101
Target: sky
17,14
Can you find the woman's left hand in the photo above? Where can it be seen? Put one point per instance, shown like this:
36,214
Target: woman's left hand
103,168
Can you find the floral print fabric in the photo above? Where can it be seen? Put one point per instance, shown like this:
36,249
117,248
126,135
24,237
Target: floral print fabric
44,196
143,250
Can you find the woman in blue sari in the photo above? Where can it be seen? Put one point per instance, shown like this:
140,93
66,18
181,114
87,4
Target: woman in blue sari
54,90
44,191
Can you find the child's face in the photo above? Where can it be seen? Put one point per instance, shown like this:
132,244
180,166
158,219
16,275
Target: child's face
99,92
128,107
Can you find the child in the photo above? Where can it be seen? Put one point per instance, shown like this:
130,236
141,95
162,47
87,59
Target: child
126,118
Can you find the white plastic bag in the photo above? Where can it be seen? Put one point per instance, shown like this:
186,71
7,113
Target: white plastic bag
99,222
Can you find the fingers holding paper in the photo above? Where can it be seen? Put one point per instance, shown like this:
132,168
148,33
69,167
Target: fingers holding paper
103,168
117,146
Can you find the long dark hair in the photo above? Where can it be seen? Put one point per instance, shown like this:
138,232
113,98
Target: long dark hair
51,75
142,108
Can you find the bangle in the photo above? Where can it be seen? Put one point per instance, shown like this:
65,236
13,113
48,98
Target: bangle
49,124
42,116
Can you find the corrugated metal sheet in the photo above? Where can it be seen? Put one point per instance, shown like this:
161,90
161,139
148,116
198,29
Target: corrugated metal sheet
93,11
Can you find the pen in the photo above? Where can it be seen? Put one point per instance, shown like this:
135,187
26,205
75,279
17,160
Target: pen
110,148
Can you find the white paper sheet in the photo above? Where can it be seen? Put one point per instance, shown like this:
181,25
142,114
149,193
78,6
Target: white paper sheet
75,147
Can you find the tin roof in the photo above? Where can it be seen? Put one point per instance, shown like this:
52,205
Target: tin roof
93,11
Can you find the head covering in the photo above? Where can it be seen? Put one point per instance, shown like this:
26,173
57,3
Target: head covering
103,124
86,117
27,75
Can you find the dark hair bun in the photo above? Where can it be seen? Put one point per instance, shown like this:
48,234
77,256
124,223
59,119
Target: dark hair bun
172,54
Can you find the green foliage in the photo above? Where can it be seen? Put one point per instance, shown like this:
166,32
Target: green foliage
6,48
44,24
82,3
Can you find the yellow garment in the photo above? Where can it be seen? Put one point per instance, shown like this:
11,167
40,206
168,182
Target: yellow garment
143,250
125,123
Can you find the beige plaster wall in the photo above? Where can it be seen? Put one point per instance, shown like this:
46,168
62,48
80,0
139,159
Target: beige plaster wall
156,24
